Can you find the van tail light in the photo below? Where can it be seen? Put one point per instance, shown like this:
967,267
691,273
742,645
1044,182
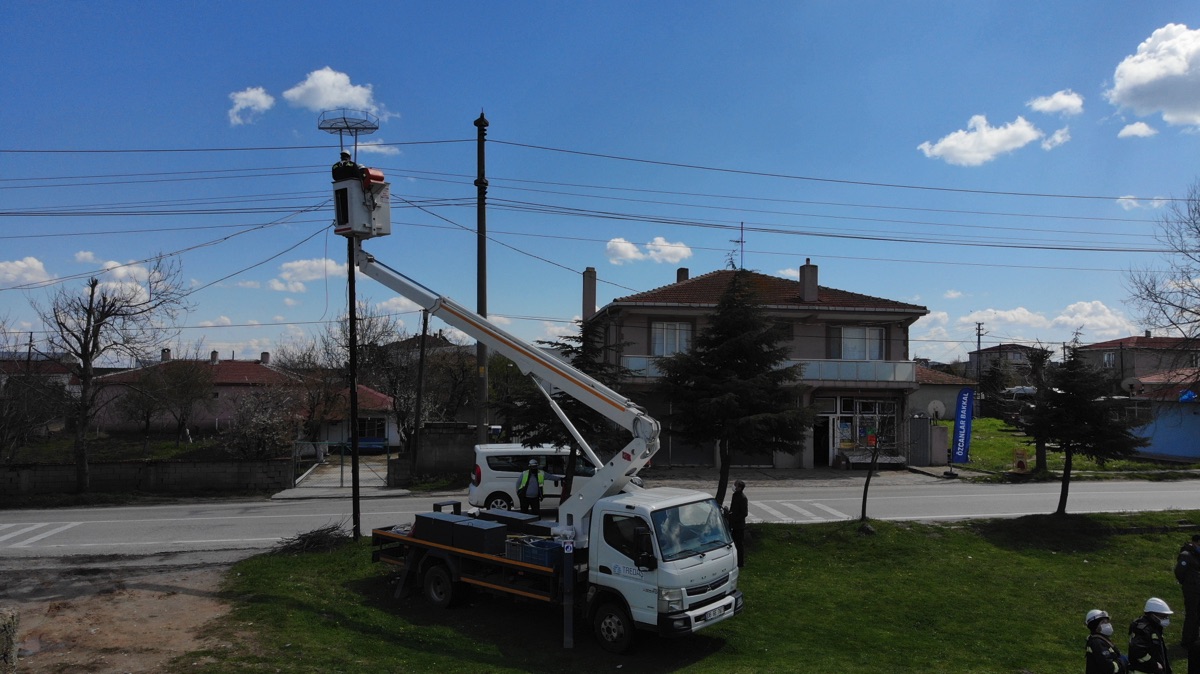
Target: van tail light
476,475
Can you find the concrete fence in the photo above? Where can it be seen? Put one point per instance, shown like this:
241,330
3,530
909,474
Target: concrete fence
152,476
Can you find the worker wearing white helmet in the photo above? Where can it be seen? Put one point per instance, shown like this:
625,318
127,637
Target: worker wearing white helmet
531,488
1102,656
1147,649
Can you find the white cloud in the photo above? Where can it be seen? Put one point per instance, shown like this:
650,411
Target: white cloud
1012,317
249,284
292,275
290,302
620,251
933,318
789,273
278,319
126,272
661,250
981,143
1057,138
27,270
1130,203
1162,77
222,320
85,256
952,294
554,331
1096,319
398,305
248,104
1066,102
327,88
1137,130
500,320
377,147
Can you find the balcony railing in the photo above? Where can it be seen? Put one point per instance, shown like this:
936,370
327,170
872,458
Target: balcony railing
904,371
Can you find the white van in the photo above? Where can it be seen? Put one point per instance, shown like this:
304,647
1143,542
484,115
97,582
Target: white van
499,466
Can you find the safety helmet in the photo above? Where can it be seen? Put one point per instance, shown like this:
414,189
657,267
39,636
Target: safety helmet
533,463
1156,605
346,153
1094,615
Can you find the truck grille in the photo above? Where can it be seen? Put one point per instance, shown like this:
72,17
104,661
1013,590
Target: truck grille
707,587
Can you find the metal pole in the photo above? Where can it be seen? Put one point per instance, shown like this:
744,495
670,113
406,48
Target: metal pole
481,351
352,317
415,443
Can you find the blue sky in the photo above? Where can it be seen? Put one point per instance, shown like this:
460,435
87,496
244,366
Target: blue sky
1000,163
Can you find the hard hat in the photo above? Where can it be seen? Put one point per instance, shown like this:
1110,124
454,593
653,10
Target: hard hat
1094,615
345,153
1156,605
533,464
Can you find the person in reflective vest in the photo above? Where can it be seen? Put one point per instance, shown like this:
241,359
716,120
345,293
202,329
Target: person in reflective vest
1101,655
1147,650
346,169
530,488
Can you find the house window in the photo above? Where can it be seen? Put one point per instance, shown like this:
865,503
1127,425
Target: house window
1110,359
669,338
861,343
372,428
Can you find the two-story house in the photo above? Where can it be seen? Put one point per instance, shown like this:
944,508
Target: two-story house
1014,356
1131,359
853,348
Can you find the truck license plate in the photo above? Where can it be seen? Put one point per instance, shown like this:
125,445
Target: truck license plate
714,613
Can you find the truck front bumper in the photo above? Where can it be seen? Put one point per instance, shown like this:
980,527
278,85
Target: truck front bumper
686,622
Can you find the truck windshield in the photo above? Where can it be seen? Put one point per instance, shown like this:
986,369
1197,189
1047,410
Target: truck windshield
690,529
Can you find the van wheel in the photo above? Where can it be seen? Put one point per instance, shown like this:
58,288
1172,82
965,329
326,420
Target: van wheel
499,501
440,589
613,628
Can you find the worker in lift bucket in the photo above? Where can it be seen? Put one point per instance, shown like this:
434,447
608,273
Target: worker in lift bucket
347,168
530,488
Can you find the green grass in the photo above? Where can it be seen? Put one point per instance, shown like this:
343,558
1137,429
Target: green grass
59,448
994,443
1000,596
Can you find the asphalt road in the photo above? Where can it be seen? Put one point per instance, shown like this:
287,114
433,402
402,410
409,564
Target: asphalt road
222,531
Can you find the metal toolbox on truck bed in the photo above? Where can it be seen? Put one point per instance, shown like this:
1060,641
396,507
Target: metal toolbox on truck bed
436,527
480,536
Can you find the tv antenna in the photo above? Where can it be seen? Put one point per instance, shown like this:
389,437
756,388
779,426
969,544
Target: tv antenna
343,121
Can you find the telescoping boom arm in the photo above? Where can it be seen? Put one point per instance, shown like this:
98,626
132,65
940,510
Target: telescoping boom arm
531,360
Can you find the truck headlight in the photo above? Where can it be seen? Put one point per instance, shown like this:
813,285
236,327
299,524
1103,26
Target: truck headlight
670,600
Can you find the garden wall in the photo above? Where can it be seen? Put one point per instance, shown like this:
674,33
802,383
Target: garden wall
151,476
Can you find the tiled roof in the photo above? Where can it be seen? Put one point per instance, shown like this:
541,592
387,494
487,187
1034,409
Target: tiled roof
369,400
38,367
931,377
706,290
1141,342
1002,348
224,373
1185,375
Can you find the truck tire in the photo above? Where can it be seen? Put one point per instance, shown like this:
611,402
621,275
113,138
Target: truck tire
613,628
499,501
440,588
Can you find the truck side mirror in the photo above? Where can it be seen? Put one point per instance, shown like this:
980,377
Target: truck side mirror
646,561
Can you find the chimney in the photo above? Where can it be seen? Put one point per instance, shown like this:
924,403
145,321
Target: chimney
1147,334
681,274
265,358
212,358
166,355
808,281
589,293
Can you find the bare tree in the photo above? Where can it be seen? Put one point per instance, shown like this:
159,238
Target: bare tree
1170,299
128,313
264,423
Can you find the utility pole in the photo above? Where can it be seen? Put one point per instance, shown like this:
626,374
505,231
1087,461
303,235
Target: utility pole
481,351
979,333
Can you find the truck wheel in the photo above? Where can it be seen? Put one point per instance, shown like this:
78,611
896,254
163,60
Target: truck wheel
613,628
440,589
499,501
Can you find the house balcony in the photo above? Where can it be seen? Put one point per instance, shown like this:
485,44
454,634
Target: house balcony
820,372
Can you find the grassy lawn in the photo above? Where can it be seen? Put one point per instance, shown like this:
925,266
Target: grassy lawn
1001,596
994,443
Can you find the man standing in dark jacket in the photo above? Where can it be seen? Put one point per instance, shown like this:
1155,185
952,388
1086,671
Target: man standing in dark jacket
739,509
1101,655
1147,649
1187,572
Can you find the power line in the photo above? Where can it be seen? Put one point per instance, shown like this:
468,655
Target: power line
196,150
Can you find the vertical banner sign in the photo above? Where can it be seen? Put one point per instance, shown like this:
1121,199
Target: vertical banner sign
963,413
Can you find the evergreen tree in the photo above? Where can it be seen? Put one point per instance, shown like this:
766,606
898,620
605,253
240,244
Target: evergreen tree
1076,416
732,387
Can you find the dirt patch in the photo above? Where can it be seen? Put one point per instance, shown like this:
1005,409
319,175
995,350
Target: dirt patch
89,619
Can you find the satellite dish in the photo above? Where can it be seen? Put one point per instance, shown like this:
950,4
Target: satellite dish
1132,385
936,409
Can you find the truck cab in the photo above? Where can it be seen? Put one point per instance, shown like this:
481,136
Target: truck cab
661,560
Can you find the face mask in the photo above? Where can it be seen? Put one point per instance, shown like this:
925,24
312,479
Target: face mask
1164,622
1106,629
